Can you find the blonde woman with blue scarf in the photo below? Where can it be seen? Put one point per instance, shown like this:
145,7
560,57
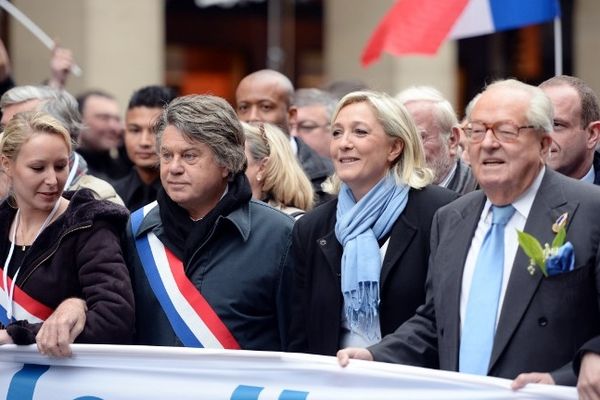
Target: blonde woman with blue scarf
361,259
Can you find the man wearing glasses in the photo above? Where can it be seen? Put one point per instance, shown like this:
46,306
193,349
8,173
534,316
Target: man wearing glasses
314,108
486,312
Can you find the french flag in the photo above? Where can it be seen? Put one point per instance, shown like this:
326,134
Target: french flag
420,26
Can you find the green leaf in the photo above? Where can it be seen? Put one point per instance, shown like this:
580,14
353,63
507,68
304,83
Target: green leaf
560,237
532,247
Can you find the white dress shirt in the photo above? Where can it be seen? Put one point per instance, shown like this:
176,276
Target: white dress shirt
589,177
522,207
449,176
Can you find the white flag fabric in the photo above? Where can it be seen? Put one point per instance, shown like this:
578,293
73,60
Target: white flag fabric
140,372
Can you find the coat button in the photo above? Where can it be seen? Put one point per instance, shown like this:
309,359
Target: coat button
542,321
322,242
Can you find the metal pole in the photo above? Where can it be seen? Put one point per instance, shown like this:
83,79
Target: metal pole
558,56
275,54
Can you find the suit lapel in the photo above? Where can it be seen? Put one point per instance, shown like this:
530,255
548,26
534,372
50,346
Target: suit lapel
401,236
548,205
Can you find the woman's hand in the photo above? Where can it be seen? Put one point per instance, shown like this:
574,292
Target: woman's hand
62,328
5,337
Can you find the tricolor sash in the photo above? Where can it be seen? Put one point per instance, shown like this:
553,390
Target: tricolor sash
193,320
25,307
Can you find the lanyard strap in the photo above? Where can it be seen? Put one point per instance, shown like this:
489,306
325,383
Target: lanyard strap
10,289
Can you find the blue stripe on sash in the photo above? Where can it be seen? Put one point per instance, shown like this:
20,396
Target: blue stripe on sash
3,318
179,326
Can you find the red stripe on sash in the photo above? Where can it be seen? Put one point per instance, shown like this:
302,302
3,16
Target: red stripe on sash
199,304
28,303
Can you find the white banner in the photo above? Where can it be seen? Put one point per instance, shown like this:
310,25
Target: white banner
138,372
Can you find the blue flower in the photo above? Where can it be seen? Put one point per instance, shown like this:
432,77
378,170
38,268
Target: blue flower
561,259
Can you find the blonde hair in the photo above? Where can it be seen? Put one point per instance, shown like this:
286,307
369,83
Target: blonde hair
285,183
409,168
24,125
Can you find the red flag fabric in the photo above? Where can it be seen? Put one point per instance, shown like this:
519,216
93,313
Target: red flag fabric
413,27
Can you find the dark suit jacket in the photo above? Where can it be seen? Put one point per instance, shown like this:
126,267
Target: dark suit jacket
543,321
592,346
463,180
596,168
317,297
316,168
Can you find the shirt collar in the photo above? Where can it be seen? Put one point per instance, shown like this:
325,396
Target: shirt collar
589,177
448,178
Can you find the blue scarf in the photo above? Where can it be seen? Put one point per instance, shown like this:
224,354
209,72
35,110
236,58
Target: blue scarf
358,228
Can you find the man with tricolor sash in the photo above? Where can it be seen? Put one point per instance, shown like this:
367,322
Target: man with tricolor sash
209,265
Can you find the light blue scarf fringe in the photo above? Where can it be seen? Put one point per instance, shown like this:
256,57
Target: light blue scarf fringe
358,227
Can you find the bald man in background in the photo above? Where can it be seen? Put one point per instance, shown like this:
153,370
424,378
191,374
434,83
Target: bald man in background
266,96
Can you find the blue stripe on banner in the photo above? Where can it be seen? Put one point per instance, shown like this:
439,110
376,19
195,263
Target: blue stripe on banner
509,14
23,382
293,395
243,392
179,326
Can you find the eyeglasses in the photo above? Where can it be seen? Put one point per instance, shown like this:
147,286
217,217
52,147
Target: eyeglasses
503,131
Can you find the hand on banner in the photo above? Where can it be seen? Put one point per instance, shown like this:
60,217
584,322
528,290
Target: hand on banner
532,377
61,328
5,337
356,353
588,384
60,67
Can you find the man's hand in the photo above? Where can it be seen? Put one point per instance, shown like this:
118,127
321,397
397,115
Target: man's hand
532,377
588,384
5,337
356,353
60,67
61,328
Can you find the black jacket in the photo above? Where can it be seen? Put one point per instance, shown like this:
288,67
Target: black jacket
242,271
78,255
316,295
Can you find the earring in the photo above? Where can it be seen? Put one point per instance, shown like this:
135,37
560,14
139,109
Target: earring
258,178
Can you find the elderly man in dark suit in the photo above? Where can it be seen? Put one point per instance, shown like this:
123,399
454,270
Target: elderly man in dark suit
486,312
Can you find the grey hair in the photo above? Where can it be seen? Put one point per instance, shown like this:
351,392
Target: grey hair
58,103
20,94
209,120
445,116
315,97
471,105
540,112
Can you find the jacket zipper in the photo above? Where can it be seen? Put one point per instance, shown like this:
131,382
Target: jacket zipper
214,228
54,250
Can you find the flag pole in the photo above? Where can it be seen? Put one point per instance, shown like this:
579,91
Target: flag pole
34,29
558,52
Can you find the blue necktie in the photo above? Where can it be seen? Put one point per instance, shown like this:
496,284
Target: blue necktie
477,338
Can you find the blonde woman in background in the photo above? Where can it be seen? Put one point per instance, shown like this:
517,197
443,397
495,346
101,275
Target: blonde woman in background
274,173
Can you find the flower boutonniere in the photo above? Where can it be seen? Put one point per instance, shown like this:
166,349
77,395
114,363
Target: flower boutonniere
551,260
